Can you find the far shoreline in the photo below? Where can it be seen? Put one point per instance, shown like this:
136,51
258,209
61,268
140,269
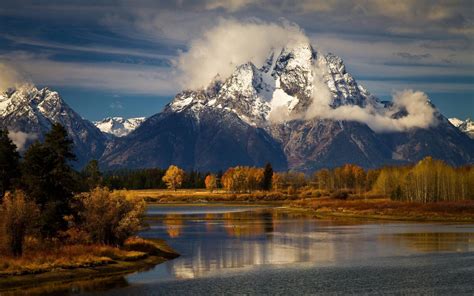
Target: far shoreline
383,209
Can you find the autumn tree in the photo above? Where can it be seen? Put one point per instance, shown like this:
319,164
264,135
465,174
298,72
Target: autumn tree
9,163
18,216
211,182
110,218
323,179
242,179
277,182
430,180
173,177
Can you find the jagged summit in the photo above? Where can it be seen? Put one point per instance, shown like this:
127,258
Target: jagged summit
119,126
32,111
284,83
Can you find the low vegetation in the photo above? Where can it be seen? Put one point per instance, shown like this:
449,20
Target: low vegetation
377,208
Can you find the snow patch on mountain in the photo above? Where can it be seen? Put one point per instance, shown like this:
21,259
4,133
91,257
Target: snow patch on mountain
119,126
466,126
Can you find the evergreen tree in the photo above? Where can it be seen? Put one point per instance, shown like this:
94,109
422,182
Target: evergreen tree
48,179
58,140
92,174
267,177
9,163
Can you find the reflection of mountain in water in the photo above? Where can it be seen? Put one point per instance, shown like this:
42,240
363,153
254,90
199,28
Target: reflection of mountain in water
251,239
244,240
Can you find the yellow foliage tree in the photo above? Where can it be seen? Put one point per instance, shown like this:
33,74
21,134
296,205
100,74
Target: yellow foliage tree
18,216
173,177
211,182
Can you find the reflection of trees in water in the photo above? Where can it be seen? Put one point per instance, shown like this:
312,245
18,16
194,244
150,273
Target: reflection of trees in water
433,241
174,224
251,239
210,223
245,224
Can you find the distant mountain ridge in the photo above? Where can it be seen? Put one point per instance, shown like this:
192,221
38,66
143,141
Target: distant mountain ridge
119,126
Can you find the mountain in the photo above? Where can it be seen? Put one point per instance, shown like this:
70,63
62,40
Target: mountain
262,113
118,126
466,126
32,111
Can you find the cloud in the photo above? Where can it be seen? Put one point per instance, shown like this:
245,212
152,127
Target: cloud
229,44
412,57
20,138
419,111
229,5
9,76
128,78
222,48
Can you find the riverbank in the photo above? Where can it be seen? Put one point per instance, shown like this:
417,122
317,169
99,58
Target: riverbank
355,206
80,262
385,209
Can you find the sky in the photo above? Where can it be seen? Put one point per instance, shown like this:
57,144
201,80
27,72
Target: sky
121,58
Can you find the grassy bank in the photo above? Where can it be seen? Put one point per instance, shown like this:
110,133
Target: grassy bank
319,203
202,195
459,211
58,263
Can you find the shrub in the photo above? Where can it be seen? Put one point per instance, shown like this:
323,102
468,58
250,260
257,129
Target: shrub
111,218
340,194
291,190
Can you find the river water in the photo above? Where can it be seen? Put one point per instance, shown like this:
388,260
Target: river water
255,250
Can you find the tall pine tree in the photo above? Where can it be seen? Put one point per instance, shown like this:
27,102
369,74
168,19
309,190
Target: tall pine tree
9,163
48,179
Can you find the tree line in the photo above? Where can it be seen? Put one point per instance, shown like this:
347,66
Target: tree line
426,181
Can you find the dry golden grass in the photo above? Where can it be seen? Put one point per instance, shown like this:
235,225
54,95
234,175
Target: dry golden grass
386,208
57,257
199,195
47,256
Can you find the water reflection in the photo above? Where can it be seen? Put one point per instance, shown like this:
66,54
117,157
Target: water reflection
216,241
434,242
241,239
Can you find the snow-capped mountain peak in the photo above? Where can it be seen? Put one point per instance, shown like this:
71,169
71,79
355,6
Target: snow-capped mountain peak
282,85
30,110
119,126
466,126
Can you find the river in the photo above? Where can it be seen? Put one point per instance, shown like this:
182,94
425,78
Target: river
253,250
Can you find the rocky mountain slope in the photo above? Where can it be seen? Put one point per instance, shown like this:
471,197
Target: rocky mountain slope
32,111
118,126
262,113
466,126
